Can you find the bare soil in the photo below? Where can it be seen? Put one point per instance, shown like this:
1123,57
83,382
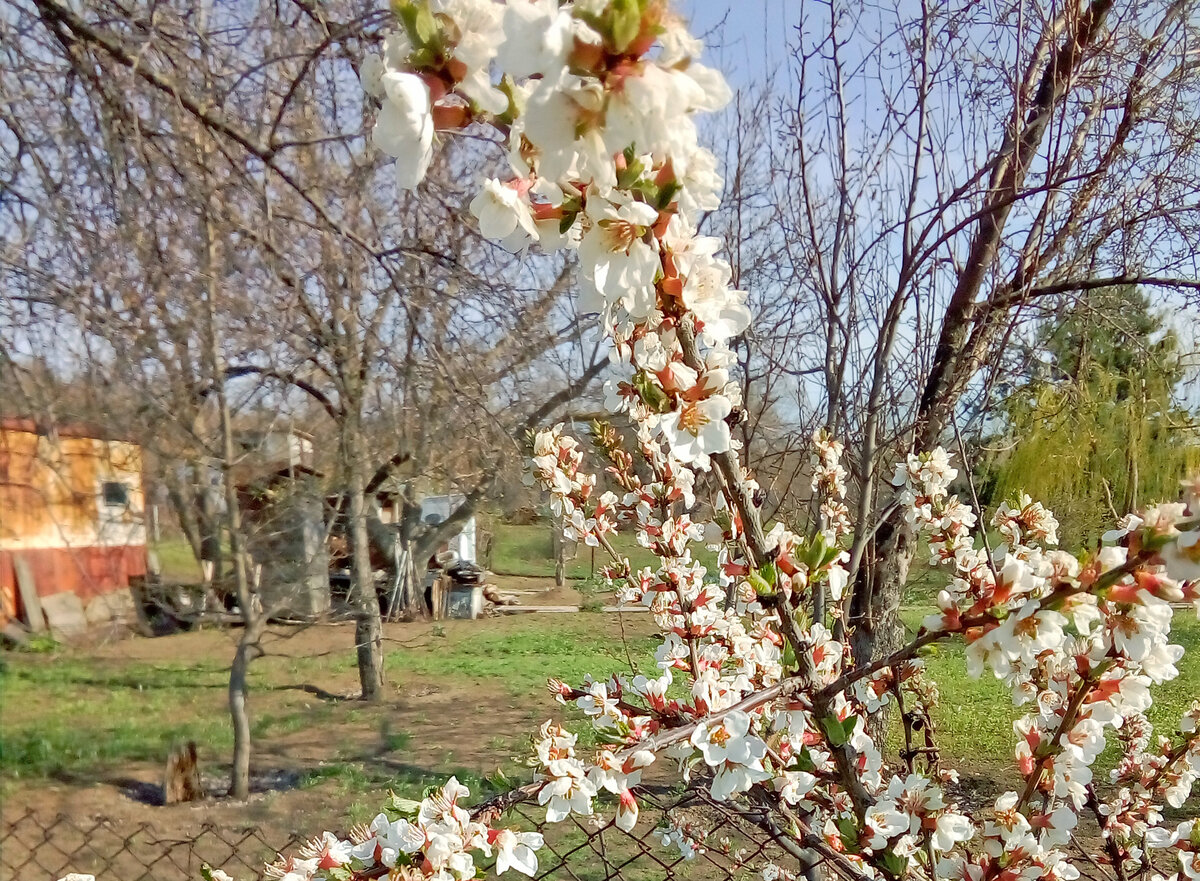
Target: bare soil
426,727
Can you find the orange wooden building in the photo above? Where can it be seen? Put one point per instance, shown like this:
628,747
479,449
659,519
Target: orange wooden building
72,508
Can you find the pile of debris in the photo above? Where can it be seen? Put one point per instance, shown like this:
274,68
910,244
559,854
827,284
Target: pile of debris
462,591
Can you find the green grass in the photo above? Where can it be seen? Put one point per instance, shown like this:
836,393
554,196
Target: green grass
70,716
527,551
176,562
519,658
66,716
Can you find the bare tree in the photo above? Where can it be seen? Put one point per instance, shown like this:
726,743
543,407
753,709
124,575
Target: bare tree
193,215
939,176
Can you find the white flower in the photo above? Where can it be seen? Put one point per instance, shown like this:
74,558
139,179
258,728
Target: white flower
478,26
1059,824
329,851
389,840
370,75
617,264
293,869
838,578
885,822
537,35
567,792
78,876
561,123
596,702
515,850
720,309
951,829
697,430
733,751
1147,622
627,811
1182,557
794,785
503,215
404,128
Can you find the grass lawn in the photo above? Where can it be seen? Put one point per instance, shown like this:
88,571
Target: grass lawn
463,698
176,562
526,550
69,713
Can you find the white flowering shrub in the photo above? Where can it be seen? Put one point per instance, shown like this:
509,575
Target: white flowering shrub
751,697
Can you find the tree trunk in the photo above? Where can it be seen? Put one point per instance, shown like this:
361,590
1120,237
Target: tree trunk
253,616
560,554
877,591
247,650
368,626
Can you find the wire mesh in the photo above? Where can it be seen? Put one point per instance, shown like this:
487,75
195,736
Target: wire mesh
719,845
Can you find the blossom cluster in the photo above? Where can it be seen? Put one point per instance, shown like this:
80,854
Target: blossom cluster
597,110
435,839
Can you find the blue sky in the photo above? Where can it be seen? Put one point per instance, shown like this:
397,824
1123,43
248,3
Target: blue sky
747,39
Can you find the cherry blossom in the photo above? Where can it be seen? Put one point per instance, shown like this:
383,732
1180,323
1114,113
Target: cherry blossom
404,129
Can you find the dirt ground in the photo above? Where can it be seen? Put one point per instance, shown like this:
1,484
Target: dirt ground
445,725
538,591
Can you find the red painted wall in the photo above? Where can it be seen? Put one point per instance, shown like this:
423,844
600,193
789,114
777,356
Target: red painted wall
86,572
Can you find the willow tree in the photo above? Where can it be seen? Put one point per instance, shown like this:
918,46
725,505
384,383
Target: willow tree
1095,426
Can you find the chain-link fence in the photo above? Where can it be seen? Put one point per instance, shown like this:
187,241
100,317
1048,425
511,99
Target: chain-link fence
38,847
679,835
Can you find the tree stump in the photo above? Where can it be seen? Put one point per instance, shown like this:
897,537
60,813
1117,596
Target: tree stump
182,779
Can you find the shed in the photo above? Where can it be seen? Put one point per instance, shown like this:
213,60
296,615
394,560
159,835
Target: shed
285,525
435,509
72,515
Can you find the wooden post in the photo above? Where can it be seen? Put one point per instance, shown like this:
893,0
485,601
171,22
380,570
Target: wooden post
181,781
29,595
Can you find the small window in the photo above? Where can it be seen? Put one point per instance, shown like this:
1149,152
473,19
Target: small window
116,495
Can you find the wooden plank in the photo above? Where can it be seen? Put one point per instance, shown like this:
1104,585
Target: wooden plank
29,597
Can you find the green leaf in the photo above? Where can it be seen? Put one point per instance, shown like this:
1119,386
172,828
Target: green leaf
769,573
648,190
848,833
894,865
568,219
789,657
419,24
667,193
405,807
626,23
651,393
499,780
425,27
762,587
836,734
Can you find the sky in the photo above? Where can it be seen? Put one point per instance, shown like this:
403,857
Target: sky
746,39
